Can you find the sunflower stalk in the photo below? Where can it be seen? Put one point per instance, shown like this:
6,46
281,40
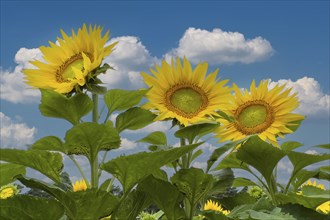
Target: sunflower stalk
94,161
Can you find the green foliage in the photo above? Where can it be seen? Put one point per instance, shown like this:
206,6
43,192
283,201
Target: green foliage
131,205
117,99
77,205
133,119
261,155
223,179
9,171
49,164
290,145
300,212
71,109
129,170
30,208
89,138
164,195
193,183
51,143
156,138
197,131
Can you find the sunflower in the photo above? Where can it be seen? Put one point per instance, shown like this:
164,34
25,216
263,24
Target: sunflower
68,63
80,185
214,206
324,208
185,94
8,191
262,111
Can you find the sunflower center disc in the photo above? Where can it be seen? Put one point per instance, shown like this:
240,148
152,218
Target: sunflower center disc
65,71
252,116
187,100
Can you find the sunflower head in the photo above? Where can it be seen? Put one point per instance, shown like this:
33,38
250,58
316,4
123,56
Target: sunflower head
262,111
314,184
70,63
8,191
185,94
79,185
214,206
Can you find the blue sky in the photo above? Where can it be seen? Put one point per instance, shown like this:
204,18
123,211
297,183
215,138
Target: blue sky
285,41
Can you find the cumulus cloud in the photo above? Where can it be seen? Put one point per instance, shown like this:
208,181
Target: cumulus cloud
155,126
285,166
15,134
313,101
127,144
207,146
129,58
12,86
218,47
201,165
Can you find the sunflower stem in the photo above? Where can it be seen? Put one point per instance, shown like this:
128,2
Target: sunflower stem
80,169
94,161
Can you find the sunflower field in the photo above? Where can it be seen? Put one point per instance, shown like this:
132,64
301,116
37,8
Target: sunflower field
160,183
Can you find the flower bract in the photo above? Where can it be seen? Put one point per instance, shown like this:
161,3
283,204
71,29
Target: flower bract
69,61
262,111
186,94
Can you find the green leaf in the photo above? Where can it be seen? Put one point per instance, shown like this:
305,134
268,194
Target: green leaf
259,215
219,152
30,208
231,161
133,119
196,154
77,205
164,195
131,169
8,172
71,109
306,201
132,205
89,138
302,176
260,155
96,89
294,125
315,192
239,182
50,143
49,164
290,145
300,160
156,138
324,146
241,198
193,183
193,131
117,99
223,179
302,213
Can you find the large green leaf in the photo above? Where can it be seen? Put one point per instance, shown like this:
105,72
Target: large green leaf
300,160
306,201
133,119
71,109
51,143
302,213
240,181
89,204
193,183
219,152
8,172
241,198
290,145
129,170
231,161
156,138
117,99
195,131
164,195
89,138
223,179
132,205
260,155
48,163
30,208
302,176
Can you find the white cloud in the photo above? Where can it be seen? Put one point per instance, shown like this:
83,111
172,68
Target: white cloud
12,87
218,47
15,134
314,152
201,165
127,144
207,146
312,100
129,58
285,166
